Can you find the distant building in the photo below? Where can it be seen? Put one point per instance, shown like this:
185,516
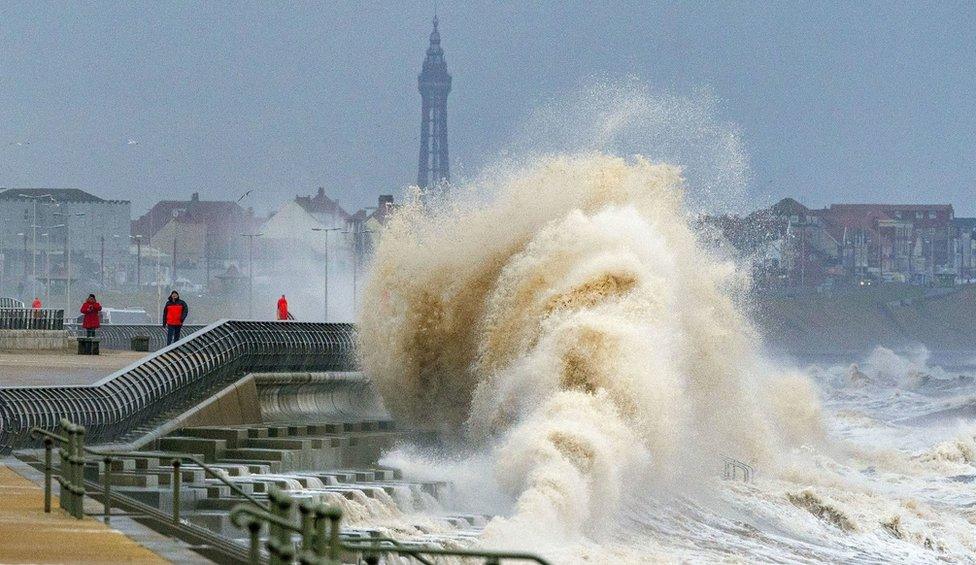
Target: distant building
96,229
205,234
296,222
367,223
434,84
964,251
793,245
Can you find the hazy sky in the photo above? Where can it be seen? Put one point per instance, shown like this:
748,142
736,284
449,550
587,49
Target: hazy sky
850,101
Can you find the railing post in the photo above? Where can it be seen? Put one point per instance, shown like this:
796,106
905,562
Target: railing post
306,511
68,472
79,464
272,543
280,544
107,499
64,469
177,488
320,547
334,515
372,557
48,446
254,529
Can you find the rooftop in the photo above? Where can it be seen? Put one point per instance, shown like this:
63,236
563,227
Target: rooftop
57,194
321,204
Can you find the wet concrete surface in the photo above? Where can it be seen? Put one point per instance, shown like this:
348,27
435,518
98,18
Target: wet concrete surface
38,368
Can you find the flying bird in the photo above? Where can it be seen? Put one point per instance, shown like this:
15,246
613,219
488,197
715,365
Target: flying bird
132,142
243,196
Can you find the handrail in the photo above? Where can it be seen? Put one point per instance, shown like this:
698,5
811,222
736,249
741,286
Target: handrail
733,466
109,457
174,376
31,318
119,336
319,544
311,528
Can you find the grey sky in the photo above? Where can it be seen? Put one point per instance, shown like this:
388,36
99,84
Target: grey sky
849,101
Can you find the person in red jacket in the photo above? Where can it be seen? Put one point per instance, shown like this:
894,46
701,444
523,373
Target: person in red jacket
91,320
282,308
174,314
36,306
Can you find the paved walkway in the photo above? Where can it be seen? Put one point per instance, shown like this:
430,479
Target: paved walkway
28,535
40,368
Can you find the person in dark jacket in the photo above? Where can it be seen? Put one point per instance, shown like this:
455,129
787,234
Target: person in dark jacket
174,314
91,315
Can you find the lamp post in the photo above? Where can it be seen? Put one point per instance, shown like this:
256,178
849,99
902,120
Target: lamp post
325,278
357,235
47,257
34,227
67,244
24,236
47,262
250,275
138,239
176,228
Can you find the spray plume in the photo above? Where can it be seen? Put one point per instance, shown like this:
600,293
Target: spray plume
573,326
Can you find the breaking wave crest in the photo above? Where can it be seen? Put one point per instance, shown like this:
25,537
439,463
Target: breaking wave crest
564,319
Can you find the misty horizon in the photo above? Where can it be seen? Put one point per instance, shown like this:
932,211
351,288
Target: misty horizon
831,103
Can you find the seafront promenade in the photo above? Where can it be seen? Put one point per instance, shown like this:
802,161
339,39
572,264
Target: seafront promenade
47,368
29,535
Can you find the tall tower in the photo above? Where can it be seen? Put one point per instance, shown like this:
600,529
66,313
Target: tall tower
434,84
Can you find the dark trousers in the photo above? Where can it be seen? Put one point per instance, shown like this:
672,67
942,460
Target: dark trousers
89,333
172,334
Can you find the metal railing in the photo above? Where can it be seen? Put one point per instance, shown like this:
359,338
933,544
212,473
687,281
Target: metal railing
734,467
319,526
321,541
31,319
72,478
175,377
8,302
119,336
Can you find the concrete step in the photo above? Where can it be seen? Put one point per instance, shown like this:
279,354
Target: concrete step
231,436
212,449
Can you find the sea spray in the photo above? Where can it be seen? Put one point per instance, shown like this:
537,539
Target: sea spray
569,323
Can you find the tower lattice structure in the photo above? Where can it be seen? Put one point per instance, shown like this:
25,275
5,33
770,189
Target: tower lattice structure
434,84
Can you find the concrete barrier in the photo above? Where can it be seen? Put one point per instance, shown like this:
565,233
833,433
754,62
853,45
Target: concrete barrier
34,340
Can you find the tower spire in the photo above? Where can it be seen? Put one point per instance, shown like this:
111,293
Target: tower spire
434,84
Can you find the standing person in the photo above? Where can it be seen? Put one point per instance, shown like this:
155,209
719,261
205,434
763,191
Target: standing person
92,317
174,313
282,308
36,306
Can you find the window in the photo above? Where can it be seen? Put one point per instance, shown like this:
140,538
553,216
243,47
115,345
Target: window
931,214
918,215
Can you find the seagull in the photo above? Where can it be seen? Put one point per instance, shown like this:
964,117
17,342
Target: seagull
132,142
243,196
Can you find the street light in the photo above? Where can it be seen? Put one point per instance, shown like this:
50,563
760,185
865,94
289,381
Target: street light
24,235
250,267
47,258
138,239
325,280
355,266
34,226
176,229
67,243
47,261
